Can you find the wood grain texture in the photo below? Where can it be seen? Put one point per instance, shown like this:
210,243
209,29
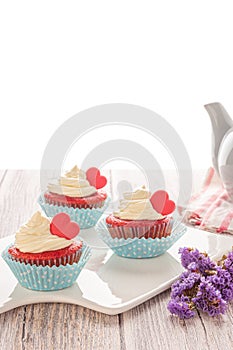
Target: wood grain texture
159,330
60,326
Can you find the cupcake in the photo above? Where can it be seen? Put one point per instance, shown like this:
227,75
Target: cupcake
78,194
44,255
142,227
137,216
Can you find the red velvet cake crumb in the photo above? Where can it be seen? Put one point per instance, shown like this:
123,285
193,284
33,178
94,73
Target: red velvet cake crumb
115,221
96,200
70,254
119,228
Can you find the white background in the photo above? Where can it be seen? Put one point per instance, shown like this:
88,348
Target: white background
60,57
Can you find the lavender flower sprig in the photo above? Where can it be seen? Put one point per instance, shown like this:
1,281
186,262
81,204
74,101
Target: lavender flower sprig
205,285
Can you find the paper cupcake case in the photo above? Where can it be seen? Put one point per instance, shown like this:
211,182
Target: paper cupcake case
139,248
46,278
86,218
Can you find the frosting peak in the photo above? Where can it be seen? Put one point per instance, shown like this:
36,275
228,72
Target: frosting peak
76,173
73,184
136,205
140,193
35,236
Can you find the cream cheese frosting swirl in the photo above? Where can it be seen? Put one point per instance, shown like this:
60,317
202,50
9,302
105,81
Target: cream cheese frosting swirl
35,236
137,206
73,184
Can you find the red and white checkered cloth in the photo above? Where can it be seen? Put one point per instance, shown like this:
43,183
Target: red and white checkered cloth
211,209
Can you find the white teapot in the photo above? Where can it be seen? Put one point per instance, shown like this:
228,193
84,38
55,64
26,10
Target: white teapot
222,144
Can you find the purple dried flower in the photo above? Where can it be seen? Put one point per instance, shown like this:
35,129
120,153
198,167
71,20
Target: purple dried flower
186,284
228,263
209,299
193,260
222,281
205,285
188,256
181,307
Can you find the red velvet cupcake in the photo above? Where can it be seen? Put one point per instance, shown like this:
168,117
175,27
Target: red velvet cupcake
77,189
44,256
78,194
137,216
35,243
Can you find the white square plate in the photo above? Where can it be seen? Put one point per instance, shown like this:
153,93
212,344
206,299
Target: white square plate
108,283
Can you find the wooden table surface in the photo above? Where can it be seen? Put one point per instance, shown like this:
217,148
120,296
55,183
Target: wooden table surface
62,326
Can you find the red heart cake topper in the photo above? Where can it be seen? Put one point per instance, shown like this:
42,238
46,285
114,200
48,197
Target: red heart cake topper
161,202
61,226
95,179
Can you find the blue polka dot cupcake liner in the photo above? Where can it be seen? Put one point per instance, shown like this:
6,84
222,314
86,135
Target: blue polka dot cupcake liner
46,278
139,248
86,218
